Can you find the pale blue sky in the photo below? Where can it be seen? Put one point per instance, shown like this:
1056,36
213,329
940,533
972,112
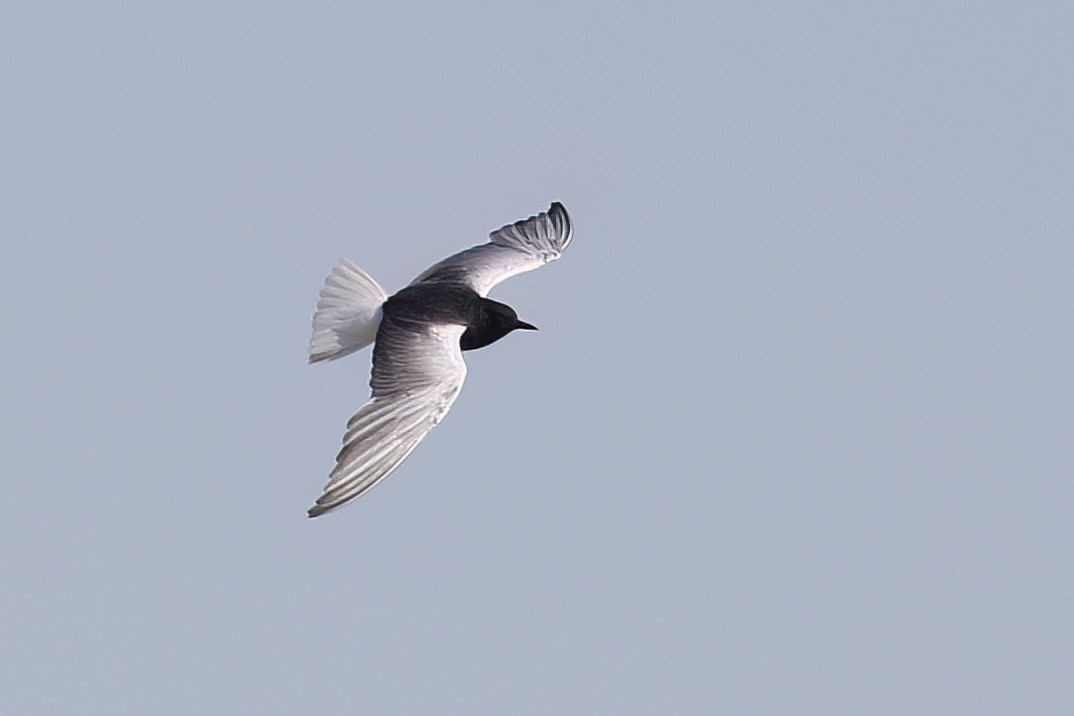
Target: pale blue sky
795,436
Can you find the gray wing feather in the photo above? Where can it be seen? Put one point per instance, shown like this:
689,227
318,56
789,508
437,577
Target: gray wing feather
418,372
512,249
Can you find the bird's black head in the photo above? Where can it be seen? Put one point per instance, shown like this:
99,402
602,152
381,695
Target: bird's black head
489,322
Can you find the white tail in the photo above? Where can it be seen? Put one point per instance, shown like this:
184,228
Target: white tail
348,313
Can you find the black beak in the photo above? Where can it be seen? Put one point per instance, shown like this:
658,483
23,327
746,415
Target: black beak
525,326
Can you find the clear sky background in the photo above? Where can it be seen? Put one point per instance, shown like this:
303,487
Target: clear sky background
796,436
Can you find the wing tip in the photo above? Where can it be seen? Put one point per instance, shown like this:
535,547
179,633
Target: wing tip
561,220
550,232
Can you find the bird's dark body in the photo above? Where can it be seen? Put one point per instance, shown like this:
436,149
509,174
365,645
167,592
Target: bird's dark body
420,304
448,302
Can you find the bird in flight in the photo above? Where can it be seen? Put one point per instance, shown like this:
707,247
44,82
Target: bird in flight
418,336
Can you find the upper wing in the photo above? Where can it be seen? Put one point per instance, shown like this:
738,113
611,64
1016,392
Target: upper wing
512,249
418,372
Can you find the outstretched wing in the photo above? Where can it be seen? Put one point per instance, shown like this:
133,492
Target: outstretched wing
512,249
418,372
